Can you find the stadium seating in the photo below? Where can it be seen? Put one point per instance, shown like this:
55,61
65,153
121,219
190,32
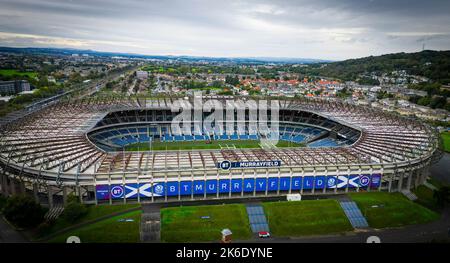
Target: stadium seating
234,137
327,142
293,133
178,138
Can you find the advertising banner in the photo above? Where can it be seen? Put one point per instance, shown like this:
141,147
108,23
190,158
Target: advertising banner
102,192
249,185
235,185
296,183
172,188
226,165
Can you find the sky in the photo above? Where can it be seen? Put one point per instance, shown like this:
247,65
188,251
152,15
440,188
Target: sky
320,29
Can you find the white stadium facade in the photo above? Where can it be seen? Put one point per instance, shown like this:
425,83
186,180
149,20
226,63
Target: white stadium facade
76,147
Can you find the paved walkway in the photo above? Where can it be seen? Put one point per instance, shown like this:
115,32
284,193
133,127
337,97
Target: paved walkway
150,229
8,234
354,215
257,218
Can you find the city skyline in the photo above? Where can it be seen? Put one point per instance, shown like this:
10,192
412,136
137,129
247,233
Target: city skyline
295,29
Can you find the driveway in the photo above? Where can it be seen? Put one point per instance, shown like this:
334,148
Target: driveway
9,234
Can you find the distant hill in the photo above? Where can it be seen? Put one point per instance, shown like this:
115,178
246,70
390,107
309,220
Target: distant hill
241,60
431,64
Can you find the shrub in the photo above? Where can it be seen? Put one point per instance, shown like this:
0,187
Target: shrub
44,228
74,211
23,211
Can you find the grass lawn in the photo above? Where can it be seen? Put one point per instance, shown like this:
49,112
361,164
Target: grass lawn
184,224
395,210
107,231
12,72
94,212
188,145
425,196
446,141
308,217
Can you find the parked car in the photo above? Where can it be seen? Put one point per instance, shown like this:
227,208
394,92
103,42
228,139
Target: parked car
264,234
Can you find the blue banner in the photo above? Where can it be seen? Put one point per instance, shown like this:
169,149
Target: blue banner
296,183
332,181
131,191
199,187
308,182
212,186
236,185
272,184
261,184
158,189
117,191
375,182
102,192
249,185
285,183
319,182
226,165
172,188
364,180
145,190
224,186
185,188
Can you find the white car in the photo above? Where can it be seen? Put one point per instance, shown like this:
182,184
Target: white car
264,234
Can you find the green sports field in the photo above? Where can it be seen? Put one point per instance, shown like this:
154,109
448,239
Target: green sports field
12,72
185,224
112,230
93,212
383,209
308,217
446,141
190,145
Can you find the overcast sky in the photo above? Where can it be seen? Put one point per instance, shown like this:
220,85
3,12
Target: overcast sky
322,29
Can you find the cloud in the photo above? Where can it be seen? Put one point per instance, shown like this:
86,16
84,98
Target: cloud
285,28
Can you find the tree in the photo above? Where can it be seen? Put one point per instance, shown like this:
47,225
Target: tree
109,85
232,80
424,101
23,211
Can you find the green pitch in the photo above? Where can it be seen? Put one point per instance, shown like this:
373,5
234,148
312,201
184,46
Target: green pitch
215,144
446,141
204,223
12,72
391,210
308,217
111,230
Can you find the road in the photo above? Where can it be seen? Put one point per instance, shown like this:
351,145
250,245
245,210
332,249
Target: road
8,234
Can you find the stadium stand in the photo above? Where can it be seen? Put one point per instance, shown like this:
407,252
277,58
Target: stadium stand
68,145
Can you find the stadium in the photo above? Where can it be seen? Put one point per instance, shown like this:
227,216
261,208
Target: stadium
109,150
